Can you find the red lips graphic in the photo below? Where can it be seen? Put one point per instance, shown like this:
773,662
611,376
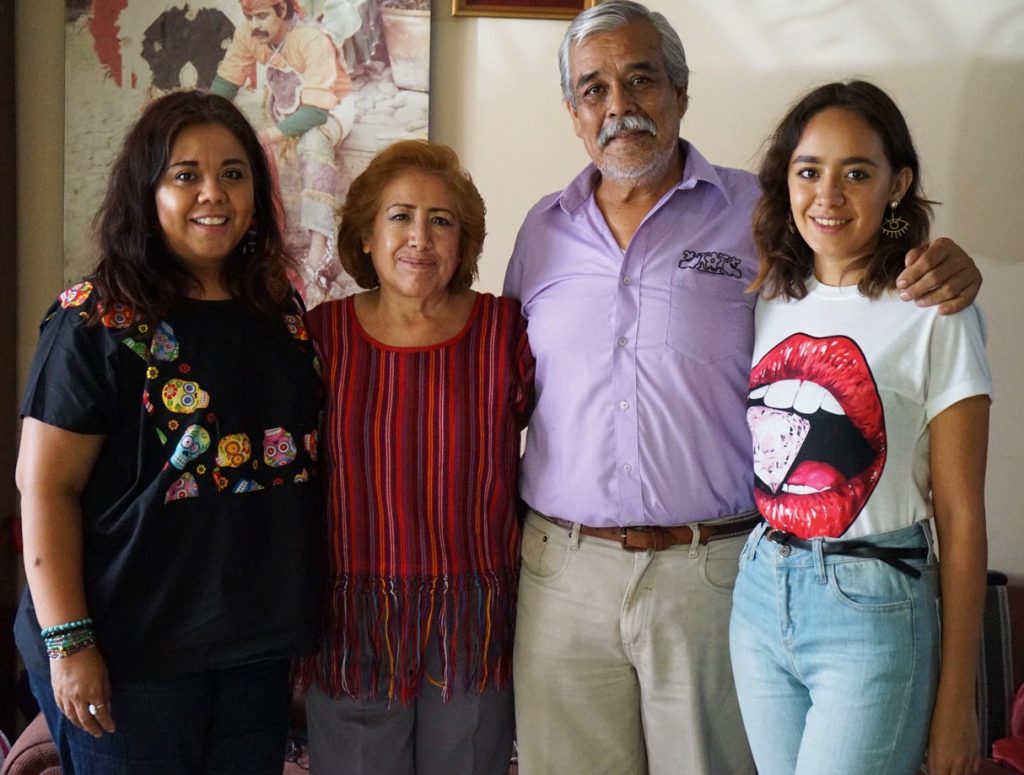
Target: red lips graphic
837,365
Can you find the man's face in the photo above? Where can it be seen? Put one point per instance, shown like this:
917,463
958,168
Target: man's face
266,25
622,87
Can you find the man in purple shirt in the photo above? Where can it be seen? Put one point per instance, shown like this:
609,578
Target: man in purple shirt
637,467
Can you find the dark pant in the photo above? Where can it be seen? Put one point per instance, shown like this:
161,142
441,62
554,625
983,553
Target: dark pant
215,723
469,735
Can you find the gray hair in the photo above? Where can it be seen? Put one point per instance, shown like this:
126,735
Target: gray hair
609,16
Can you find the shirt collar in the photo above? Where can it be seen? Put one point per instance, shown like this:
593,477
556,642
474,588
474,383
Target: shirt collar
696,169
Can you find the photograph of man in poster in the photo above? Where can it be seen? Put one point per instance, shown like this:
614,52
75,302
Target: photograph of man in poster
309,99
320,81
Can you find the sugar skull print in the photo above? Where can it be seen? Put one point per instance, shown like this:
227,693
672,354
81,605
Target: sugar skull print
278,447
247,485
296,327
165,344
76,295
183,397
194,442
310,440
183,487
233,450
118,316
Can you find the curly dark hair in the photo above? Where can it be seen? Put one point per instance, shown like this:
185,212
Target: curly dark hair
134,267
363,201
786,260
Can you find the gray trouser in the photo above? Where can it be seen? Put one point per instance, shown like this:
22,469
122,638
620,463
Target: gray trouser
469,735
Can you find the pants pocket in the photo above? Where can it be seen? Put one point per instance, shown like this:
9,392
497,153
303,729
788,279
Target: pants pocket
542,557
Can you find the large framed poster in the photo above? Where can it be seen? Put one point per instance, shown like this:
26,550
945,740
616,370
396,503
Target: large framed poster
121,54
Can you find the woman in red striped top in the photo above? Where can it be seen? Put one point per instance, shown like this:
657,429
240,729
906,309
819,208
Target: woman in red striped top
428,386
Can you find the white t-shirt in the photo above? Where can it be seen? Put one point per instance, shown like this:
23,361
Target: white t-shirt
842,390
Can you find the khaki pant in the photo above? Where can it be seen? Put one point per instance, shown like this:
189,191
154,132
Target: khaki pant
622,658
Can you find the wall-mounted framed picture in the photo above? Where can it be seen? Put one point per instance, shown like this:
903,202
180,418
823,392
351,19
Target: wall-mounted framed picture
521,9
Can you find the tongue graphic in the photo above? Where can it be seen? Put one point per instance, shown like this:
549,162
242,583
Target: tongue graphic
816,475
778,436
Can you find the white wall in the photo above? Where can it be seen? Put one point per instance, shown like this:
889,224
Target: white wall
956,68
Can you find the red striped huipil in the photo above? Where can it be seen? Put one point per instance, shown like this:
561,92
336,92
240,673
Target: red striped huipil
421,460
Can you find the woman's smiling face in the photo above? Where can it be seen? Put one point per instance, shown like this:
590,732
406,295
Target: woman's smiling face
840,182
204,199
414,239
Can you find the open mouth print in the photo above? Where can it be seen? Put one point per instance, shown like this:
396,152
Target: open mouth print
819,434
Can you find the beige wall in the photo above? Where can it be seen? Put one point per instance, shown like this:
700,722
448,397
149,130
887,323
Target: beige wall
956,68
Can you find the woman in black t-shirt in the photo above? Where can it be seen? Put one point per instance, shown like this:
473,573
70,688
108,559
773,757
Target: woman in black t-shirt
167,466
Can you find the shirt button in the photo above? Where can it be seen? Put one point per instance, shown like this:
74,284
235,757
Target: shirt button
623,405
627,280
627,468
622,342
784,551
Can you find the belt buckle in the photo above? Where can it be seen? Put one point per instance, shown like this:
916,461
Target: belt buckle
780,537
624,537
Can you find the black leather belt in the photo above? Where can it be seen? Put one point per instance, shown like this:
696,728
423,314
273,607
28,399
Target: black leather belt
890,555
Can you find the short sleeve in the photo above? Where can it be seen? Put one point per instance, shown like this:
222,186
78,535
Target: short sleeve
319,69
959,365
72,383
523,396
513,285
239,59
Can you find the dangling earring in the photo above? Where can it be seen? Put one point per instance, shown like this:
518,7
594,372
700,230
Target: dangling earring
789,222
894,226
249,248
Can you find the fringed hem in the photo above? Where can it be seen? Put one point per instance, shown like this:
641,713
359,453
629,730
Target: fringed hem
378,630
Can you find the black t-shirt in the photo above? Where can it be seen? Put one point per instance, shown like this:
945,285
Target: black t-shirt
201,518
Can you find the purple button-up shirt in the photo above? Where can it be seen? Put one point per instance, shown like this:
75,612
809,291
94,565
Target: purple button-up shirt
643,355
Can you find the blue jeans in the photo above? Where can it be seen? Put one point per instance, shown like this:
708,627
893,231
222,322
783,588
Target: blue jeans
835,657
233,720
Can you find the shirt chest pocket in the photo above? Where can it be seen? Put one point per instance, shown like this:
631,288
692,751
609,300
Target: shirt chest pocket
710,317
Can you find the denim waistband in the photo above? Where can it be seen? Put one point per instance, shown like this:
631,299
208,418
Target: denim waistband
913,536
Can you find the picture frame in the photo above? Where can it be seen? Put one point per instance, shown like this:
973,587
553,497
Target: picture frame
521,9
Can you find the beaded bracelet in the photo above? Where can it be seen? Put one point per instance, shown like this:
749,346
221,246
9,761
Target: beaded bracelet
66,644
79,624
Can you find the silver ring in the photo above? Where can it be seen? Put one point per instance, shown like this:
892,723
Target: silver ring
94,709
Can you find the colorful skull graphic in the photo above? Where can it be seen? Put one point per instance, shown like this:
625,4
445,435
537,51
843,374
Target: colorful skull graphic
165,344
137,347
296,327
278,447
184,487
184,397
118,316
247,485
310,441
233,450
194,442
76,295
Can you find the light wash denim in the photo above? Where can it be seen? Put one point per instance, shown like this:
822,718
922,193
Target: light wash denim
835,657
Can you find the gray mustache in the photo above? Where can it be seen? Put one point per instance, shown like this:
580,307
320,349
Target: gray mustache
630,123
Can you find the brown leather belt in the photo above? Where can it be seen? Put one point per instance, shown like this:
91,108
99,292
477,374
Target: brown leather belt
639,539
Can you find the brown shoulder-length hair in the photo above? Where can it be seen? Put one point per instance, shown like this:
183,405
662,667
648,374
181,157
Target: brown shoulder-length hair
363,202
786,260
134,267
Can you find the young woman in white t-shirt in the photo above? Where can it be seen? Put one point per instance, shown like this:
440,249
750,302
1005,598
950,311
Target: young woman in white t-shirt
869,418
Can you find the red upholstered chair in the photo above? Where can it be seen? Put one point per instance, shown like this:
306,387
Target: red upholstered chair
33,753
